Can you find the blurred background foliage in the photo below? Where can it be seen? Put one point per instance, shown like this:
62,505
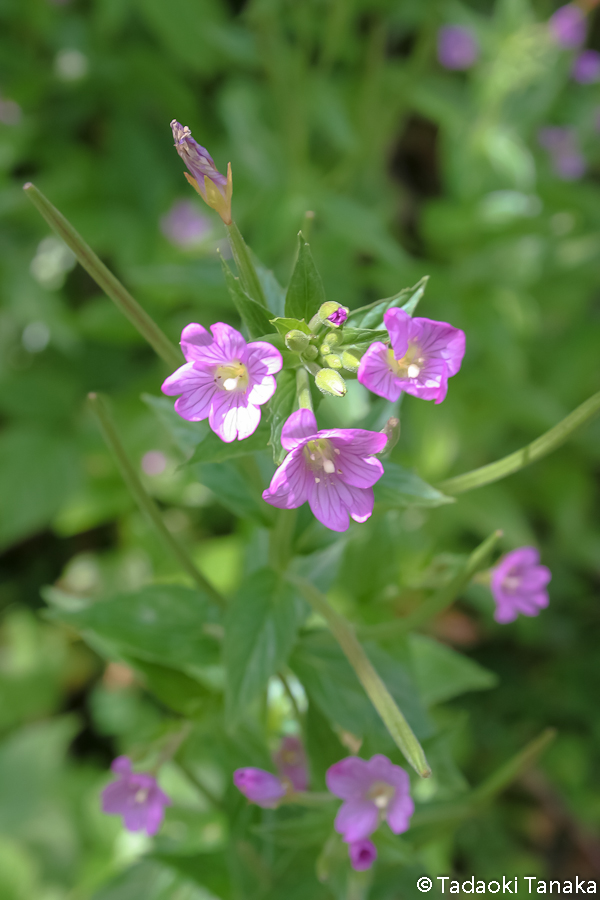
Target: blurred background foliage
341,107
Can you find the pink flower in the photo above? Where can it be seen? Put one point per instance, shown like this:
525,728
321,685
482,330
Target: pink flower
457,47
362,854
334,470
423,355
184,225
519,585
259,786
338,316
136,796
290,760
567,26
224,379
372,790
586,68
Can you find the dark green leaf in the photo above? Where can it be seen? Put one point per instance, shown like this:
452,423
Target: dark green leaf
260,631
285,325
212,449
159,623
305,293
253,314
441,673
274,293
280,408
398,487
173,688
407,299
235,489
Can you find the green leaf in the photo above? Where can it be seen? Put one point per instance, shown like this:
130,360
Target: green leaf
274,293
260,631
152,880
162,624
398,488
352,336
212,449
175,689
185,435
235,490
253,314
284,325
331,683
305,293
407,299
441,673
280,408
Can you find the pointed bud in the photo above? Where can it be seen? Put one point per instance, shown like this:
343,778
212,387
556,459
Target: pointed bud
333,361
297,341
214,188
330,382
311,352
350,361
392,430
333,313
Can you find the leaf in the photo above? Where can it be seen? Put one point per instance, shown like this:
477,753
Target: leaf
234,490
280,408
212,449
305,293
150,879
441,673
398,488
260,631
160,623
253,314
407,299
185,435
353,336
175,689
331,683
285,325
274,293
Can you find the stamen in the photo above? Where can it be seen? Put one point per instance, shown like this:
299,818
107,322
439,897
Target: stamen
141,796
336,450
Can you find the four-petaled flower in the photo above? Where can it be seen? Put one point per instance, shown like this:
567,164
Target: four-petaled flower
362,854
224,379
259,786
136,796
214,188
290,760
334,470
423,355
372,790
519,584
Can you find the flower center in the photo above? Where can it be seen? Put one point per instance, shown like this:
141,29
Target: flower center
511,582
233,377
141,796
381,793
409,365
320,455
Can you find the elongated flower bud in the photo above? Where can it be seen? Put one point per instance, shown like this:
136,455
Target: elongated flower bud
297,341
214,188
333,361
350,361
330,382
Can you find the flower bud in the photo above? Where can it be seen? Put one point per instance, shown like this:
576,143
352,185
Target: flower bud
392,431
350,361
214,187
332,312
297,341
259,786
333,361
311,352
330,382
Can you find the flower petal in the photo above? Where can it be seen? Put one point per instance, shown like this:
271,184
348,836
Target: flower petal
115,797
231,416
289,485
355,440
261,391
195,340
265,355
230,341
348,778
362,504
356,470
300,426
362,854
400,328
121,765
356,819
400,809
376,374
330,500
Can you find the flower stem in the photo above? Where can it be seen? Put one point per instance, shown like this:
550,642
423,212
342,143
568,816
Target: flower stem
440,600
281,539
245,266
143,499
303,389
376,690
526,455
105,279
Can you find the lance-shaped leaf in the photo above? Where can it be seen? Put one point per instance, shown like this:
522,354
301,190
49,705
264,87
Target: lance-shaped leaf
253,314
213,450
280,408
305,293
283,325
398,488
371,316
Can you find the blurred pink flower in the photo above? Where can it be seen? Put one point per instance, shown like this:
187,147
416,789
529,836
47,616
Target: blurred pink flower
259,786
519,585
184,225
136,796
457,47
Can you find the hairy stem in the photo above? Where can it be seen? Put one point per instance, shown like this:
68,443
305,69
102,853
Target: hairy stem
144,500
303,389
375,689
526,455
246,269
105,279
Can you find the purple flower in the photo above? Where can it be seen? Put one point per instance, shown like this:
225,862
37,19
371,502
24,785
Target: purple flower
423,355
457,47
567,26
214,188
362,854
519,585
290,760
338,317
561,143
136,796
373,790
224,379
184,225
259,786
334,470
586,68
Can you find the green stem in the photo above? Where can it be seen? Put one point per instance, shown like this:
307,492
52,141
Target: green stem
526,455
281,539
310,799
290,695
303,389
245,266
144,501
105,279
440,600
376,690
188,772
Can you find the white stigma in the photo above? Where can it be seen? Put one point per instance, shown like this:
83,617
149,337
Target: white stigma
413,371
328,466
230,384
141,796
